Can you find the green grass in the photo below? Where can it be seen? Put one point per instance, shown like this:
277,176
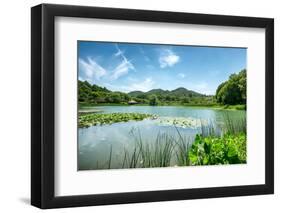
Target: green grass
235,107
165,151
93,119
157,154
223,107
234,125
183,145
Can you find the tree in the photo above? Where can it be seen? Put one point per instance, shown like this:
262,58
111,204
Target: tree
233,91
230,94
218,93
116,98
185,100
153,100
84,91
95,94
242,83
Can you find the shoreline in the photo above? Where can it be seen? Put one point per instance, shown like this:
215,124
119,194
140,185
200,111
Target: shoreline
239,107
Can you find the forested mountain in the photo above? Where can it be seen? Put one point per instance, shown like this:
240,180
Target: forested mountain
93,94
230,92
177,92
181,91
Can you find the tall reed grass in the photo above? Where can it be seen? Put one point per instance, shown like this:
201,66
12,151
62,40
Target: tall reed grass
172,150
146,154
234,125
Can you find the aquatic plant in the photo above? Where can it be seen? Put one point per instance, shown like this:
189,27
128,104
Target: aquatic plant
214,145
209,148
182,148
181,122
93,119
170,150
234,125
146,154
229,149
209,128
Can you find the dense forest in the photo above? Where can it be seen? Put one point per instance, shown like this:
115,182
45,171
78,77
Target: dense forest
233,91
230,92
93,94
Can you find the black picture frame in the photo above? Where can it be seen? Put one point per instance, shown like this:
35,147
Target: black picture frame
43,110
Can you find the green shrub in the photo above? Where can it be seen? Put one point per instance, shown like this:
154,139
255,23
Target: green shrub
229,149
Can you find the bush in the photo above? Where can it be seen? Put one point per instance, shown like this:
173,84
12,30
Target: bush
230,149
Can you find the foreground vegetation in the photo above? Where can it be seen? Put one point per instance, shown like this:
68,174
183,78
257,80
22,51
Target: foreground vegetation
208,148
229,149
93,119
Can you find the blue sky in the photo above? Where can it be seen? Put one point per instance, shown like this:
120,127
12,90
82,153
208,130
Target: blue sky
127,67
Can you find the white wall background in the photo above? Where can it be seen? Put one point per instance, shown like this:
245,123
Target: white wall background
15,105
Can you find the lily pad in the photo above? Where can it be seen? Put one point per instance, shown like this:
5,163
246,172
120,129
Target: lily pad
182,122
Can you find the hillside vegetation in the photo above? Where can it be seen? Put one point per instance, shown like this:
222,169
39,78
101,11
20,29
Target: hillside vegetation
93,94
230,92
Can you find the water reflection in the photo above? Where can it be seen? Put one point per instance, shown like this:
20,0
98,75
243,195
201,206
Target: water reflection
96,142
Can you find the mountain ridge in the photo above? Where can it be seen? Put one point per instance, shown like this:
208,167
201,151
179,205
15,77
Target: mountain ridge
178,91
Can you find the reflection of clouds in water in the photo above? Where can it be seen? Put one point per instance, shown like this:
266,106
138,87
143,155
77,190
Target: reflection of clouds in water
95,142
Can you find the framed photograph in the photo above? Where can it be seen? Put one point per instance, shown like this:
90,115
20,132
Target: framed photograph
139,106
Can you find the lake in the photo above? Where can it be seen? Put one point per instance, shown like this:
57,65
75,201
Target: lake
99,144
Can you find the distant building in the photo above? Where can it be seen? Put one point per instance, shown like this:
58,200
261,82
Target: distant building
131,102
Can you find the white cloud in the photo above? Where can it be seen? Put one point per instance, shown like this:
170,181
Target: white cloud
123,67
91,69
168,58
144,86
181,75
119,52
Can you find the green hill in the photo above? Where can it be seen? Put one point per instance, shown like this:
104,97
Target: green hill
94,94
181,91
135,93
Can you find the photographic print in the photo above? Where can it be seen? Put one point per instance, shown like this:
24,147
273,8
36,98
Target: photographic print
139,96
160,105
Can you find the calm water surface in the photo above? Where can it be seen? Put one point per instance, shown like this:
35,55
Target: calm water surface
95,142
